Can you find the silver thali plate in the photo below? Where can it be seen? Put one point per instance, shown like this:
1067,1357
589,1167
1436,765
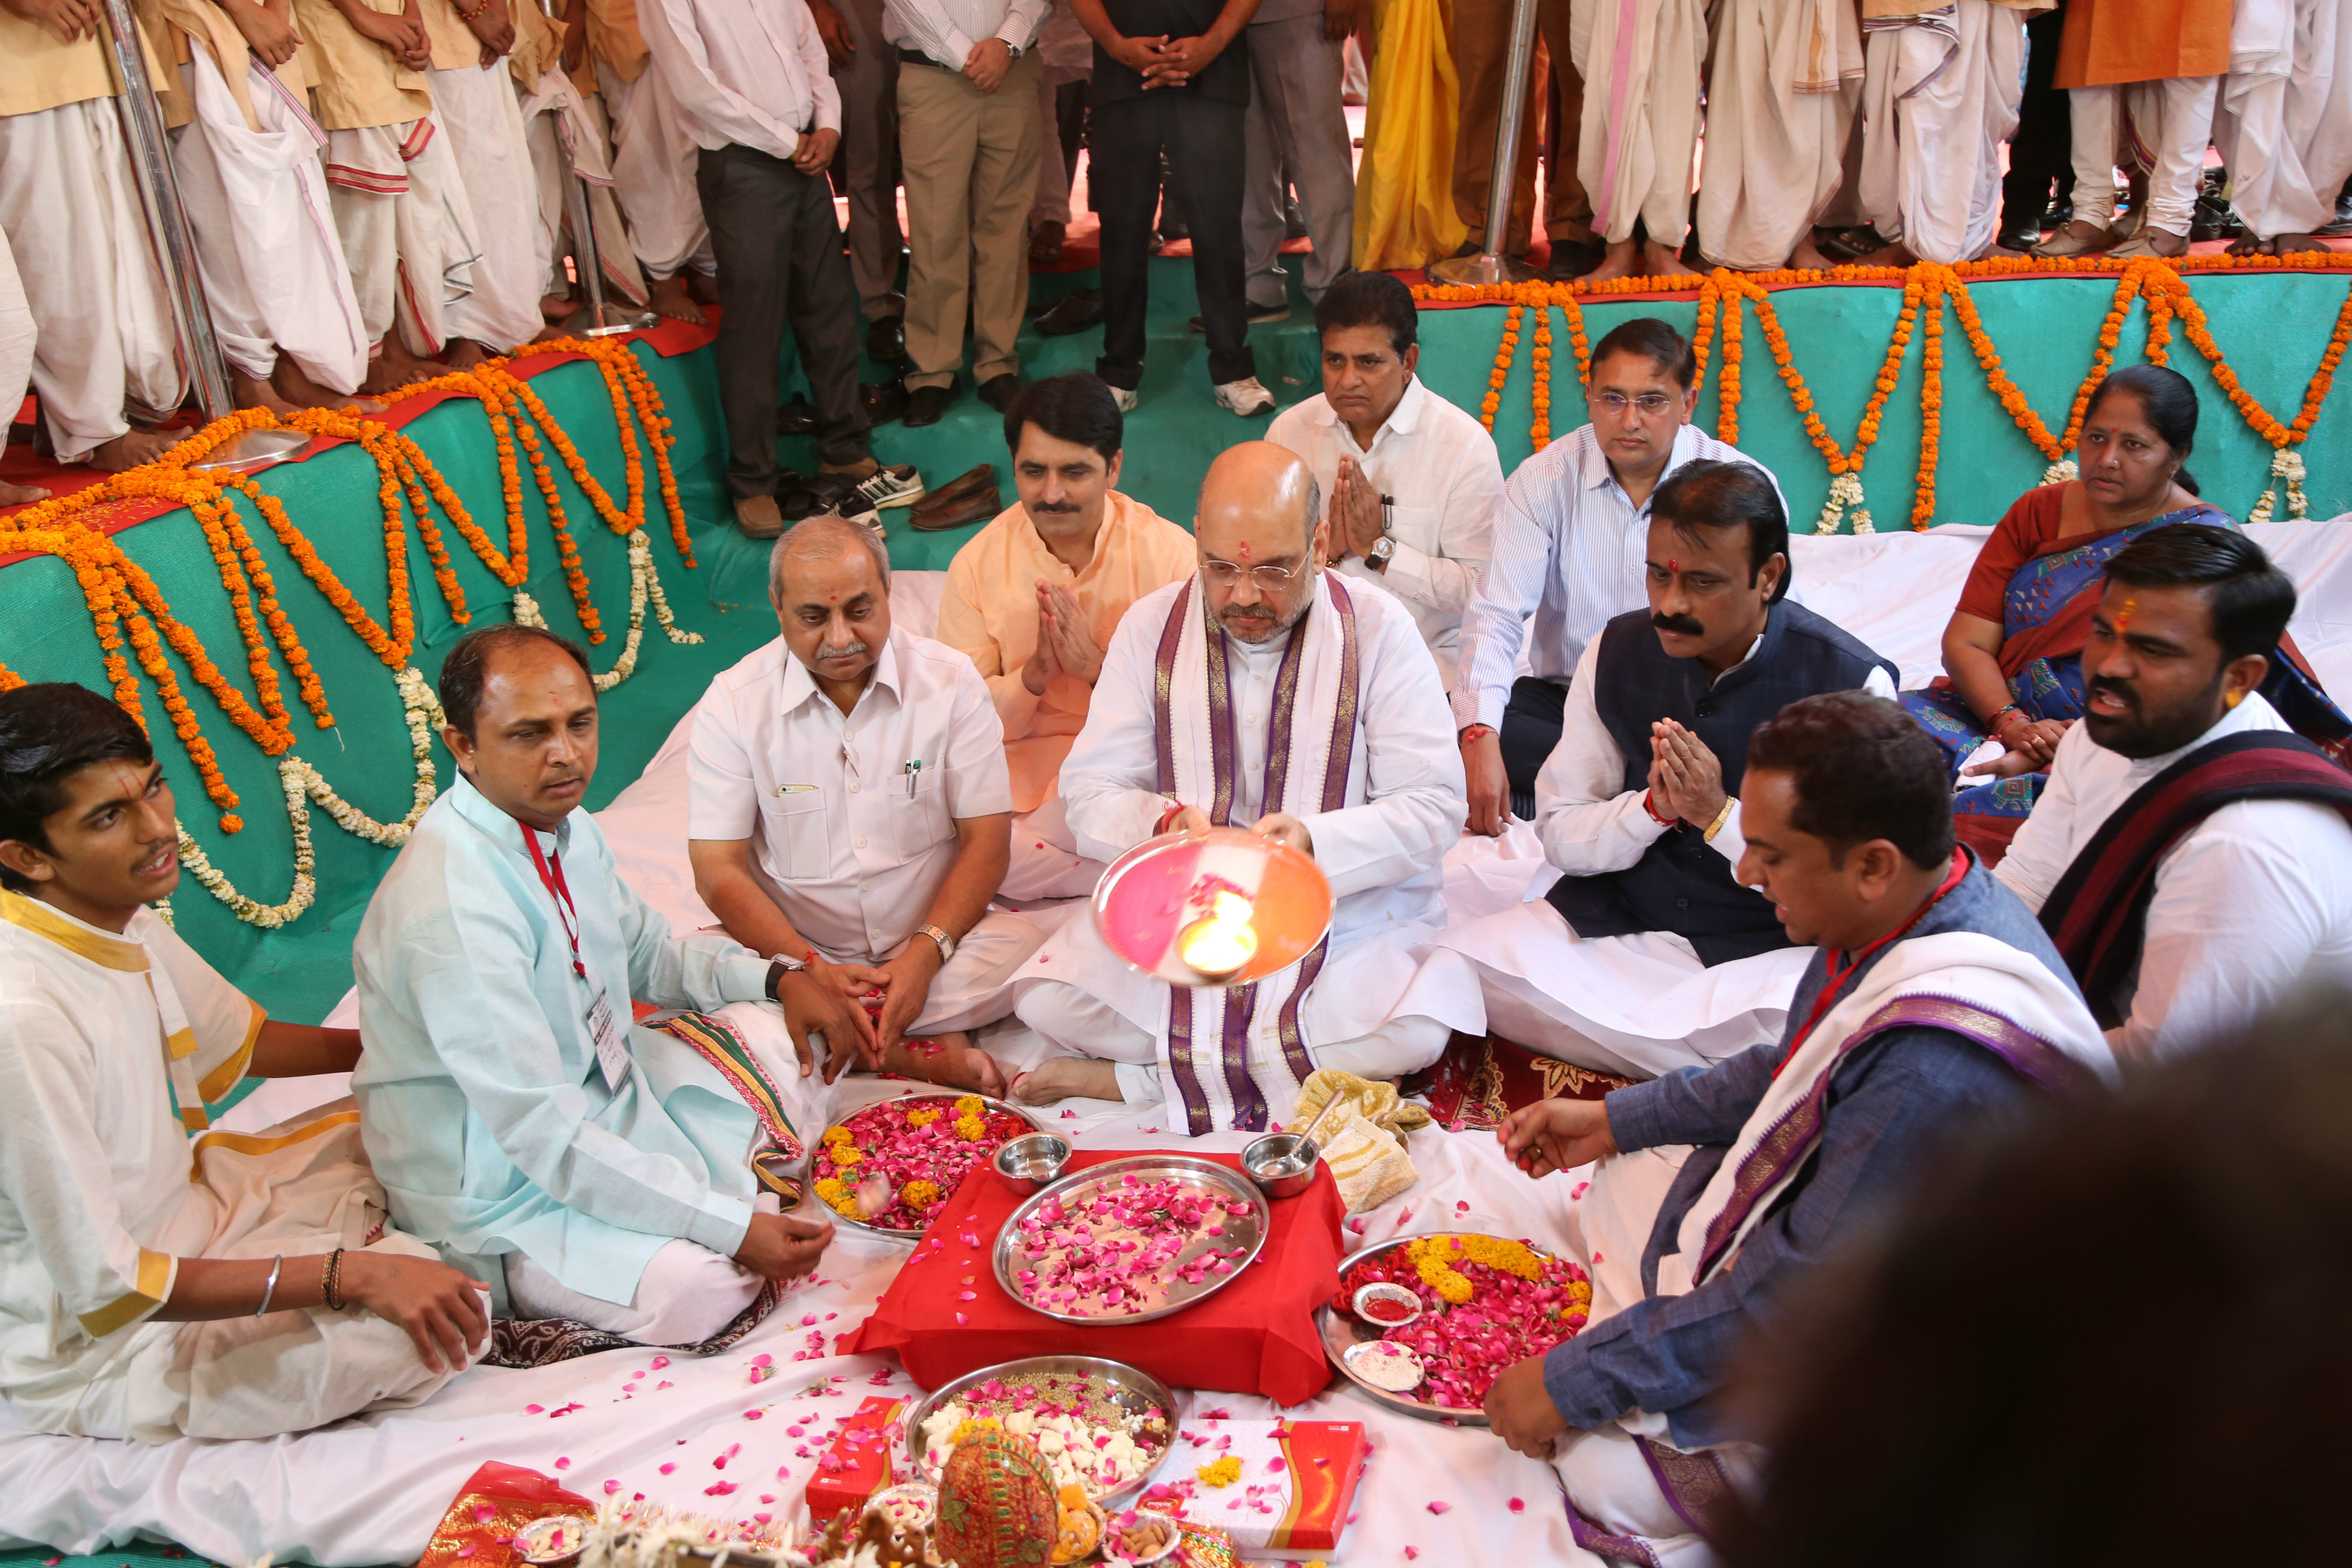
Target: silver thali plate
945,1097
1341,1331
1222,1182
1130,1387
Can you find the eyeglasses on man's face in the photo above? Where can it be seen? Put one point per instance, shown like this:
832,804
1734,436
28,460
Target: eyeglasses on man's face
1268,580
1649,405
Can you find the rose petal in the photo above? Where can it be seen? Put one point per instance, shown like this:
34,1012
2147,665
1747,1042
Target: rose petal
1441,1506
564,1463
1518,1505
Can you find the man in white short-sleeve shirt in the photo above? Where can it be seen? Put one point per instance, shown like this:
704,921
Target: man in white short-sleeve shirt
851,807
1413,482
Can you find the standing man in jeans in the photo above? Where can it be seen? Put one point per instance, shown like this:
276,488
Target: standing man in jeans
750,78
1173,76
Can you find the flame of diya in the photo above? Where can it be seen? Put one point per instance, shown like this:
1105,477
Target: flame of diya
1220,941
998,1505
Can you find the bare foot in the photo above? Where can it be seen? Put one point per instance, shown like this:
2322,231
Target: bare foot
2249,246
2287,244
20,494
131,449
1895,254
555,308
568,327
248,392
1067,1078
395,368
1808,257
951,1060
669,298
464,353
1618,262
703,286
296,387
1663,260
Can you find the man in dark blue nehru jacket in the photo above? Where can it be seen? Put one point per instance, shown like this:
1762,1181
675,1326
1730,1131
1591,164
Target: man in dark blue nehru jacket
1648,954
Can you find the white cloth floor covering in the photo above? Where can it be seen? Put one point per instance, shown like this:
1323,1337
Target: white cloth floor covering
1938,107
73,221
273,266
498,304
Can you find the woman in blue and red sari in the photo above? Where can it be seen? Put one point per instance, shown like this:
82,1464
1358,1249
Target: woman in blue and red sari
2013,651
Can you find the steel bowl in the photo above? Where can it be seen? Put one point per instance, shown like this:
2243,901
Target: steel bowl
1131,1388
1031,1161
558,1538
1282,1163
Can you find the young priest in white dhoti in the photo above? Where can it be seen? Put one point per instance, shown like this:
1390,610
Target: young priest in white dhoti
851,810
582,1166
1647,954
1263,692
1940,94
156,1284
497,307
245,152
570,144
1642,63
1933,1004
105,361
2283,119
1784,87
2192,855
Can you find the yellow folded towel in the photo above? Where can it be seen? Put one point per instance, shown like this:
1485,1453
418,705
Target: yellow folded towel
1359,1126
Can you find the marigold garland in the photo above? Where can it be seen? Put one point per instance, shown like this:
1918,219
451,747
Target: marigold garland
2158,282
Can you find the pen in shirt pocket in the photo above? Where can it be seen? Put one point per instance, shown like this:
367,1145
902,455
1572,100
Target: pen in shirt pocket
913,770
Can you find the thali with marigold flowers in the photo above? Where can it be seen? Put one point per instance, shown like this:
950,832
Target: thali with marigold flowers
886,1169
1486,1303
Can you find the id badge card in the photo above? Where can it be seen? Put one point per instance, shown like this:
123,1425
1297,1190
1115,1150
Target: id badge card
612,1050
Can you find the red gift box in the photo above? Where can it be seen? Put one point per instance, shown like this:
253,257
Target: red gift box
857,1463
1293,1483
1257,1335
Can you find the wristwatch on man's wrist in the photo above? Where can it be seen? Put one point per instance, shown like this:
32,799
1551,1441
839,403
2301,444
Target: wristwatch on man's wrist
778,967
947,943
1378,557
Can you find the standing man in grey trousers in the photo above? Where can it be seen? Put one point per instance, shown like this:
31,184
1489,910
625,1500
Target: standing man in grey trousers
1297,135
865,72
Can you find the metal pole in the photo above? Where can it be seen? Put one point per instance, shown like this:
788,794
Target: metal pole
1491,266
175,250
603,321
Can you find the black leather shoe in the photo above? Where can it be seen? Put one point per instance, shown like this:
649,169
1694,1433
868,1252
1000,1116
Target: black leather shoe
926,404
884,401
796,417
998,391
1073,312
886,340
2019,237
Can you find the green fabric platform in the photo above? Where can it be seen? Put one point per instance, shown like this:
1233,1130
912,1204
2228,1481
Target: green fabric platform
2273,327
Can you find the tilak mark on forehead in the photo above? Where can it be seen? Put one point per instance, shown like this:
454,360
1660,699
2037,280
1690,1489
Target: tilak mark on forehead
1246,550
1673,565
2124,617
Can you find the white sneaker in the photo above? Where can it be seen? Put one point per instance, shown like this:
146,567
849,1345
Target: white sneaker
893,485
1126,398
1246,397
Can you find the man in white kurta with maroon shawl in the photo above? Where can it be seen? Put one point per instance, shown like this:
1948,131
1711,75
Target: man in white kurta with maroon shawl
1308,707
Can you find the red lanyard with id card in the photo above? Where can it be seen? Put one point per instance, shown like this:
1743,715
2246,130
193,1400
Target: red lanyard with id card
612,1052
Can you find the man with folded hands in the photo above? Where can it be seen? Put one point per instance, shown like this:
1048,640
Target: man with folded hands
1034,598
1933,1005
850,811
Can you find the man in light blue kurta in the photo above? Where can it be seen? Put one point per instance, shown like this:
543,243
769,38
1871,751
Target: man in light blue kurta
497,1131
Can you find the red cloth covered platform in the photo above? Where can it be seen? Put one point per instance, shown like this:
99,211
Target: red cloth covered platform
1257,1335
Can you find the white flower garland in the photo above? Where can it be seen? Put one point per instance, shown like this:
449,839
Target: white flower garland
2060,472
253,912
645,583
2285,464
1845,490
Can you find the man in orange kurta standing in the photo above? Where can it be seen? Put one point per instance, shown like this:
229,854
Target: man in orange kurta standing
1034,597
2171,55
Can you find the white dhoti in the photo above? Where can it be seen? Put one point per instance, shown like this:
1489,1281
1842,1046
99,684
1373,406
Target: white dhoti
653,160
301,1187
498,304
17,335
1639,1006
568,139
1940,95
1642,62
401,212
79,238
1787,81
2283,118
273,266
687,1295
2170,124
1045,859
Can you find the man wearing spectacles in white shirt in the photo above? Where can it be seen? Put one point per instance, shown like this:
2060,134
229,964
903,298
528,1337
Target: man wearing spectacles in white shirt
1569,548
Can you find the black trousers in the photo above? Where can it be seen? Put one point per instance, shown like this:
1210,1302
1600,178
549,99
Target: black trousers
2042,153
779,259
1202,140
1531,729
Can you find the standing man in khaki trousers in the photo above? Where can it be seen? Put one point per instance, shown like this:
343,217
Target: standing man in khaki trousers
968,145
1482,48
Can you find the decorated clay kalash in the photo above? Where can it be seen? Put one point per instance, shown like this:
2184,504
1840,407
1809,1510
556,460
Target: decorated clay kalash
893,1164
1087,1440
1486,1303
1114,1249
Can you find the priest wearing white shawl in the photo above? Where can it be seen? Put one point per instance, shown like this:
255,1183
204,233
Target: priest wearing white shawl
1262,692
1934,1003
1784,87
2283,120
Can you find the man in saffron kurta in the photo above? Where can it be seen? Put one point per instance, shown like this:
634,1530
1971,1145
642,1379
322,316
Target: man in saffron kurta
1262,692
152,1284
1032,600
1932,1004
579,1166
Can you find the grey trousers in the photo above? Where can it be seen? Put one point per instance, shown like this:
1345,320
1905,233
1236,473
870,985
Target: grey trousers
869,152
778,250
1295,132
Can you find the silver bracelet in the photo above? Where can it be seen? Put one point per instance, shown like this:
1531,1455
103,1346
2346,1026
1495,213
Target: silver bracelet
270,1289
